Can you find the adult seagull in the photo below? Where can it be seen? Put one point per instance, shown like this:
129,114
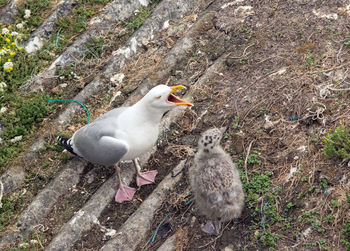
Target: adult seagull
125,133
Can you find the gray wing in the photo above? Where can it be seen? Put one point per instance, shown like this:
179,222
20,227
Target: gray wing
96,142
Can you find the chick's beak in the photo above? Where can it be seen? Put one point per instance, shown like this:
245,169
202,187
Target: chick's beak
172,99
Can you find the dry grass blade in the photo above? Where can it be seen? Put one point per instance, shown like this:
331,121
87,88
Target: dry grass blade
243,54
246,160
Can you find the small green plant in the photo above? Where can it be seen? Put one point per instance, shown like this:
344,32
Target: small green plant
45,164
300,195
243,60
261,201
227,136
309,216
65,157
347,197
37,13
310,60
288,210
261,110
312,188
95,47
329,219
6,211
135,22
253,158
66,72
269,239
318,226
324,183
235,123
245,30
337,143
335,204
258,185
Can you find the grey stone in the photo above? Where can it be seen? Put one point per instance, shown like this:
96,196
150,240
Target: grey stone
169,244
12,178
9,12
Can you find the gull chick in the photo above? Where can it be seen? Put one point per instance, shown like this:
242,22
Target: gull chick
125,133
215,182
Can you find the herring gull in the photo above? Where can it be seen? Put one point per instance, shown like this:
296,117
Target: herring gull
215,182
125,133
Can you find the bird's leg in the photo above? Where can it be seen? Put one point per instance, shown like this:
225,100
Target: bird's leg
124,193
212,227
143,178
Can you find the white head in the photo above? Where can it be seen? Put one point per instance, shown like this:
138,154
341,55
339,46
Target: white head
162,98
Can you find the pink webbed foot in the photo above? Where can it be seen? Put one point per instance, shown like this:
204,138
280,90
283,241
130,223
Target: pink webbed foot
144,178
124,193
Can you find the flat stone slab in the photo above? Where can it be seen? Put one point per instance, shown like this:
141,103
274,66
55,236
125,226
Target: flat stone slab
9,12
12,179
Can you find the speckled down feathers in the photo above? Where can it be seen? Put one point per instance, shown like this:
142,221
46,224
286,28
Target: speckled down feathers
215,180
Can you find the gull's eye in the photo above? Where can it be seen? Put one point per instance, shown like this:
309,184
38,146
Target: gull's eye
159,97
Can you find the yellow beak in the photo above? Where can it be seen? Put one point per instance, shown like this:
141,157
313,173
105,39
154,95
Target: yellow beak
176,88
176,100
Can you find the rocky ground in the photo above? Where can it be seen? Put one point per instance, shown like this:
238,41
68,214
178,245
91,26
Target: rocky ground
274,72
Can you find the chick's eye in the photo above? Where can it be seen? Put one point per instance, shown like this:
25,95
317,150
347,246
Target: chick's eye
159,97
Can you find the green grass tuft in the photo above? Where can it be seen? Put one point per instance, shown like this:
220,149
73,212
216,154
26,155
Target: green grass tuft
135,21
337,143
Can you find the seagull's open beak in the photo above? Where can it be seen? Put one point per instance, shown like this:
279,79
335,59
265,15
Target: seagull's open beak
172,99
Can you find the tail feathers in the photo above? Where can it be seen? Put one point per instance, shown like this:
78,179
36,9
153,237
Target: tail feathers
66,143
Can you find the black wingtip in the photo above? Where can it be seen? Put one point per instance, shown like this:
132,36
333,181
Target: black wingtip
66,143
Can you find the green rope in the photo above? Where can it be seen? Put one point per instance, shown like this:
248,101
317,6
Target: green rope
62,100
